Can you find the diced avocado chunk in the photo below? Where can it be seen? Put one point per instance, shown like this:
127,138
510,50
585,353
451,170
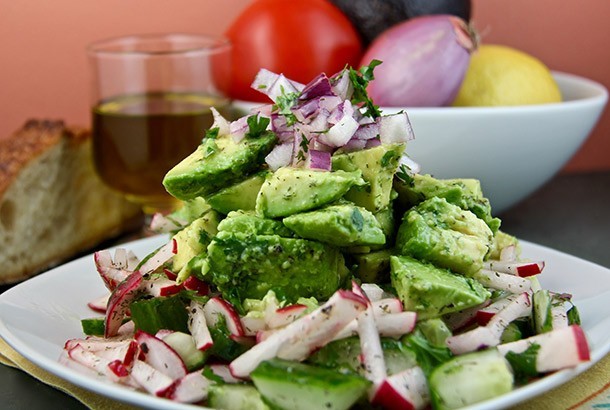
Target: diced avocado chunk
470,379
465,193
339,225
344,356
378,166
431,291
240,196
445,235
298,386
249,223
501,241
190,210
373,267
192,241
217,163
290,190
248,266
235,397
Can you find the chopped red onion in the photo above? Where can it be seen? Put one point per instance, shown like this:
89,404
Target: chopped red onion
318,87
239,128
395,128
219,122
274,85
412,166
280,156
342,86
319,160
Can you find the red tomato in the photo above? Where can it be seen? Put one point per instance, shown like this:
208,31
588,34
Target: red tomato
299,38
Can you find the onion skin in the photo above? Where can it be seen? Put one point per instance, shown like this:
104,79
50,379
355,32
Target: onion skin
424,62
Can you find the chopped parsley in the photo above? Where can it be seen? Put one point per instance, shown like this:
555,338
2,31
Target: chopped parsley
360,80
257,126
403,174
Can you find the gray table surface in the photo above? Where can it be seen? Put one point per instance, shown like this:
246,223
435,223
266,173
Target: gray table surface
571,213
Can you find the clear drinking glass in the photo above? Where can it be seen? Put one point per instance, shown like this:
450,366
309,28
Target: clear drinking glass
151,99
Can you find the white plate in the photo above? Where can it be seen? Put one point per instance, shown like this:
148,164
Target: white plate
39,315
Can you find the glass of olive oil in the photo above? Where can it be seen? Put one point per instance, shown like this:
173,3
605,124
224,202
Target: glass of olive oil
151,104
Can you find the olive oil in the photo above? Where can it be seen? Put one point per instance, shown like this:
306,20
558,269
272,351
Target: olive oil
138,138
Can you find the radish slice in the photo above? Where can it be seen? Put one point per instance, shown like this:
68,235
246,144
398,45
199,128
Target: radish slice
297,340
161,356
371,356
489,335
163,254
373,291
150,379
163,224
119,301
284,316
405,390
199,286
99,305
191,388
522,269
160,286
485,314
464,318
559,349
217,308
111,275
387,305
559,316
503,281
93,361
198,327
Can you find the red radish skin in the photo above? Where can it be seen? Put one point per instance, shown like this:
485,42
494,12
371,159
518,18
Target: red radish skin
198,326
119,301
405,390
522,269
191,388
559,349
160,355
99,305
216,308
163,255
285,315
199,286
424,61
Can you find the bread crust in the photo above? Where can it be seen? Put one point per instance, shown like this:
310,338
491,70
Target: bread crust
52,205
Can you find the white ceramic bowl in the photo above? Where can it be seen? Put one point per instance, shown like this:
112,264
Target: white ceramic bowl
512,150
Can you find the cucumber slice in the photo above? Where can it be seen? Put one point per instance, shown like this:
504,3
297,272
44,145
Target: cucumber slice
235,397
469,379
184,345
297,386
151,315
542,317
343,355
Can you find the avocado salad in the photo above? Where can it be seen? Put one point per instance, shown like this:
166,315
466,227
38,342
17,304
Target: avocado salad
314,266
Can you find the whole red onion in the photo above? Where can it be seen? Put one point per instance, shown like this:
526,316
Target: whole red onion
424,61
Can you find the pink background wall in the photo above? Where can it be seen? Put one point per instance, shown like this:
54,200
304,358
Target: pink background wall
43,69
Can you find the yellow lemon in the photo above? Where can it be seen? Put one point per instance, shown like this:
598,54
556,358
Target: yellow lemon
500,75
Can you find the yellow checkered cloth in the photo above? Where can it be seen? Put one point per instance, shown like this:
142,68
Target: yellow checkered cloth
590,390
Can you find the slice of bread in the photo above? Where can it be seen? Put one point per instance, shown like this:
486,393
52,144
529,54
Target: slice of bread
52,204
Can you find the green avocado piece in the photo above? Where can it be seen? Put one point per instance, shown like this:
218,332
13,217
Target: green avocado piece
373,267
431,291
240,196
190,210
248,222
193,241
465,193
502,240
248,266
298,386
217,163
445,235
290,190
378,166
339,225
